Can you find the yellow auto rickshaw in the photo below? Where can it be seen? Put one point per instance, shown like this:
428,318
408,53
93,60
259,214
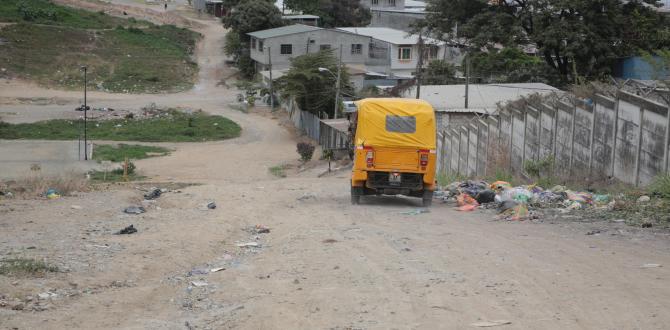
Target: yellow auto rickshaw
394,149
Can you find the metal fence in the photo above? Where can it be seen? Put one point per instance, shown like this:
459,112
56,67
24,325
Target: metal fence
626,137
306,122
331,134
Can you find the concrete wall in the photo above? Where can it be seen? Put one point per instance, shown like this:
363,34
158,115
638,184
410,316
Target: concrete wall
314,39
399,20
627,137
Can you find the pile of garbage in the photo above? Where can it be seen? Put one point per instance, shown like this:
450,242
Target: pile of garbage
521,202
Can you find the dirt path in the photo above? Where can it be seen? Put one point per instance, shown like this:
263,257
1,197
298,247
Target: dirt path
324,265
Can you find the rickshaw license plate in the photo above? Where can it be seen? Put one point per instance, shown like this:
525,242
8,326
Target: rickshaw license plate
395,178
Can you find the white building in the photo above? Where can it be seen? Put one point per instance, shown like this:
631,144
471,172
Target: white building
286,42
395,52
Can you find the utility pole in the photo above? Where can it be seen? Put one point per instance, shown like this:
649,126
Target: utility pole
467,80
272,92
85,117
419,67
337,84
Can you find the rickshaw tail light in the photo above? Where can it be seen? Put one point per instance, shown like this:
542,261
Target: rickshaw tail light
370,158
424,159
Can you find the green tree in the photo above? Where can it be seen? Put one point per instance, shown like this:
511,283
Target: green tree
252,15
312,88
659,61
439,72
247,16
333,13
576,38
509,65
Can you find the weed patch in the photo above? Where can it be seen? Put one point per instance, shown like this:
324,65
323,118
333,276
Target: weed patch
446,178
173,126
122,55
36,185
119,152
24,266
661,186
278,171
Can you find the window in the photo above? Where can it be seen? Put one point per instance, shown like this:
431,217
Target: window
405,53
392,3
324,47
260,45
286,49
253,43
430,52
400,124
375,2
356,48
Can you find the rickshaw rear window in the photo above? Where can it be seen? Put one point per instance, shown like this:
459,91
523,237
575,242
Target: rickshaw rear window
400,124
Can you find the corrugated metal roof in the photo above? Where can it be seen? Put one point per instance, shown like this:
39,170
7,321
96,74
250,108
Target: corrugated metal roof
481,98
282,31
300,17
397,37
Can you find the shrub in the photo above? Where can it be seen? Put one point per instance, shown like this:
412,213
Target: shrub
131,169
661,186
306,151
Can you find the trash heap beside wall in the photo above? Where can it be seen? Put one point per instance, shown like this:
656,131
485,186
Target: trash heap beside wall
625,136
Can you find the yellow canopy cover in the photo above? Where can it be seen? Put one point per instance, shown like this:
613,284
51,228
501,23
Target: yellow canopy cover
395,122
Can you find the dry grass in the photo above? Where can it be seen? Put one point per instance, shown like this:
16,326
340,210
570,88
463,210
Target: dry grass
36,185
24,266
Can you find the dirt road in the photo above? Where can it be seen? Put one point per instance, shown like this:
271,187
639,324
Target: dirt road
325,264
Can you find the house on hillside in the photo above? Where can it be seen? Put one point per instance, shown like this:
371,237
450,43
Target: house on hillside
312,20
373,4
286,42
449,100
212,7
394,53
395,14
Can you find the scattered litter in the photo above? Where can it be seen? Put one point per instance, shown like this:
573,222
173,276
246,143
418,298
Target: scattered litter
646,225
76,207
329,240
651,266
501,185
601,199
198,284
134,210
306,196
467,208
516,213
153,194
218,269
52,194
249,244
643,199
211,205
198,271
466,202
593,232
127,231
488,324
486,196
260,229
415,212
46,295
